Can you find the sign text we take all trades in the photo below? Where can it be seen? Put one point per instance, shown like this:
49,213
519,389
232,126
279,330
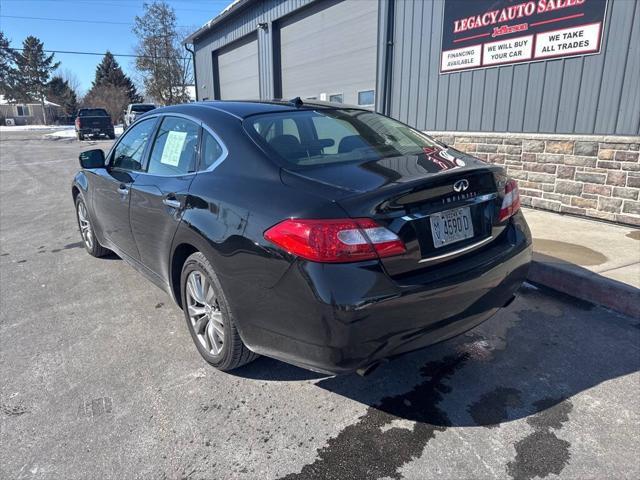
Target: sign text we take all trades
485,33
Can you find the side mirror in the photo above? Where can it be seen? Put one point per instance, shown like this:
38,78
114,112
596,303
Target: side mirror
92,159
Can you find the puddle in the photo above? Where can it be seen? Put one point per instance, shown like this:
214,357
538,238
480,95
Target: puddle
564,252
633,234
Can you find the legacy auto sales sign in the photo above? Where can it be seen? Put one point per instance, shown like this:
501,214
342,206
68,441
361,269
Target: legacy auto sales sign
487,33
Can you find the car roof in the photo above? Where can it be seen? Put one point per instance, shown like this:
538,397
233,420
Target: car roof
245,108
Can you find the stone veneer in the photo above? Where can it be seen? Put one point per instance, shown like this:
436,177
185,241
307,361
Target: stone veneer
592,176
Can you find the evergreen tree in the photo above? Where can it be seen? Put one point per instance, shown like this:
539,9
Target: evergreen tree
59,91
7,69
110,74
33,69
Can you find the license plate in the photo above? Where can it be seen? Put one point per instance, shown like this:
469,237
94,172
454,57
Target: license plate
95,130
451,226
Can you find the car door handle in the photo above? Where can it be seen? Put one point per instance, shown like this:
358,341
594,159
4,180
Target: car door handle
171,201
123,189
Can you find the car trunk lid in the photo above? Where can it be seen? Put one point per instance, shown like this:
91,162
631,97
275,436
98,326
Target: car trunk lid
405,193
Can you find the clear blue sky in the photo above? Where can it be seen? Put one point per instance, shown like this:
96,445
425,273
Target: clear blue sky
92,37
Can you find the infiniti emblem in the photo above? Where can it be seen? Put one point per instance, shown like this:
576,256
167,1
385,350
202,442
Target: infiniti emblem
461,185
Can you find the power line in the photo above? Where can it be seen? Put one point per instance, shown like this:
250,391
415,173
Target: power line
125,4
107,22
101,54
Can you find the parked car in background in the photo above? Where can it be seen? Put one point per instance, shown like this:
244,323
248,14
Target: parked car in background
134,110
93,122
327,236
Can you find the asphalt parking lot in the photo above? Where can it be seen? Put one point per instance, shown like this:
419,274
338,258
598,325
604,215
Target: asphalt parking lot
99,377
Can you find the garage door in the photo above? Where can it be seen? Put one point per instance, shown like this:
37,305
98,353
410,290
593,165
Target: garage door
238,70
329,52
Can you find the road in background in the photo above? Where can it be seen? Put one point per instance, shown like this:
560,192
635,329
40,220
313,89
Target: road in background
100,378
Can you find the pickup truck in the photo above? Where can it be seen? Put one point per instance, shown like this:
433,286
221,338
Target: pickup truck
135,109
94,122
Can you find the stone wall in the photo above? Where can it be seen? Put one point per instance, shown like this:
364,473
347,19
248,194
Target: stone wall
592,176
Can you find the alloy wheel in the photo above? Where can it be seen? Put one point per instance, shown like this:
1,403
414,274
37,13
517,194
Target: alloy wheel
204,312
85,225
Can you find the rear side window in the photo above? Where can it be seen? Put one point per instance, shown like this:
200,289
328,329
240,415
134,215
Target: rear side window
175,148
128,153
212,151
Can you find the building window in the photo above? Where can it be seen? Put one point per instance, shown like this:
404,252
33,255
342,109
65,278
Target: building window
336,98
366,98
311,98
22,110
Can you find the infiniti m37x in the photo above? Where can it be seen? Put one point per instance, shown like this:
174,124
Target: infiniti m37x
326,236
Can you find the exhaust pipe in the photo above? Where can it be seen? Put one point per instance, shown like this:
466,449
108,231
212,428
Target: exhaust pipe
364,371
509,302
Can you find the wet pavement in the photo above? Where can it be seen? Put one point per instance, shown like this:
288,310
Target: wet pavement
100,378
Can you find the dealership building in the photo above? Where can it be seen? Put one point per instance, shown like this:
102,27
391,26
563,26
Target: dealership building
548,88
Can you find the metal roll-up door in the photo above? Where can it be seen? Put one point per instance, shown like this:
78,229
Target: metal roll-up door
330,48
238,70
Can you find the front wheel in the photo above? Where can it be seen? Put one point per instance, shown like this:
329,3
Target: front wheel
209,318
86,230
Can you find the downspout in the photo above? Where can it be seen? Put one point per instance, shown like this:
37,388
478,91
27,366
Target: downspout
195,74
388,64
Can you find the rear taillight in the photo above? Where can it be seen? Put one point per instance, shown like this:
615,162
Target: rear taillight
78,122
511,200
335,241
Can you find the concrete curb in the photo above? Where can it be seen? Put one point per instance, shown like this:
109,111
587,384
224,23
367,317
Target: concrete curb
587,285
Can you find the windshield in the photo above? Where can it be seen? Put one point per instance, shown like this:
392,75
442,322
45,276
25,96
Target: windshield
92,112
316,137
142,108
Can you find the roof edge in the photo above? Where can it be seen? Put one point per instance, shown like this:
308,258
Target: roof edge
230,10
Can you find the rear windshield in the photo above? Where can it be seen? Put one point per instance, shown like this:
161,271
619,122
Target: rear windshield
93,112
316,137
142,108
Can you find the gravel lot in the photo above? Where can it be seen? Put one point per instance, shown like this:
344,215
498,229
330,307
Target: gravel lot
100,379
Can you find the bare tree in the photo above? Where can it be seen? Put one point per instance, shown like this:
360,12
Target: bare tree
161,60
72,80
113,99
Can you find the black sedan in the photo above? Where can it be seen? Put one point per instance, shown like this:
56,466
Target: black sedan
326,236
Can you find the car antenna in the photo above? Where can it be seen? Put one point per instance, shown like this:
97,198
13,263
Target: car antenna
296,102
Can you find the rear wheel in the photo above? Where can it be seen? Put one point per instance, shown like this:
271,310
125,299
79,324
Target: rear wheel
86,230
79,136
209,318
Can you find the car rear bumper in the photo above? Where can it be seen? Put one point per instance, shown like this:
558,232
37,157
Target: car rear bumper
342,317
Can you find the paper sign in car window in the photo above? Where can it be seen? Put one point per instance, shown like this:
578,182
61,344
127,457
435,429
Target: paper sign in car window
173,148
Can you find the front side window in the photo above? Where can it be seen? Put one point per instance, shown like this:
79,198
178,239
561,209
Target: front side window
175,149
128,153
366,98
335,136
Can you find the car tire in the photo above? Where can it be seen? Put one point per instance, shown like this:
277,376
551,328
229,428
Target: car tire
209,318
87,233
79,136
112,136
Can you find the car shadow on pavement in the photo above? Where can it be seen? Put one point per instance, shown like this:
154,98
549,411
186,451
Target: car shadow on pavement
527,363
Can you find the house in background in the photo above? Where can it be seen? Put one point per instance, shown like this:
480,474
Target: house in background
28,113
